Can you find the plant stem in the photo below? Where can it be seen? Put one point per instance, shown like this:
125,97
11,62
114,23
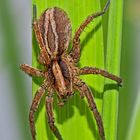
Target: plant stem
110,99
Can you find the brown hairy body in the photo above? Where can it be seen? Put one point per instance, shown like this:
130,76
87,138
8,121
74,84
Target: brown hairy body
61,74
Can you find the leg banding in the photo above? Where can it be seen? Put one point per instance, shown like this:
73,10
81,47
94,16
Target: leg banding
42,47
75,52
91,70
31,71
36,101
84,89
49,109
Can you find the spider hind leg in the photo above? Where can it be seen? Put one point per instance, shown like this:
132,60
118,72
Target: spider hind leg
75,52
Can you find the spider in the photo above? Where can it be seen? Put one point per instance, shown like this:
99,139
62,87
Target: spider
61,74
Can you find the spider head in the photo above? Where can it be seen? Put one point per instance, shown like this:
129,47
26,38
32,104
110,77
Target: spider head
66,95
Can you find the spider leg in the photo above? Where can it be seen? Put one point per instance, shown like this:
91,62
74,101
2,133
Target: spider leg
41,59
39,38
31,71
49,109
75,52
36,101
84,90
91,70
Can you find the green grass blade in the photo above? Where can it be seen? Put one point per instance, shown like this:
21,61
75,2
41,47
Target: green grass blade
110,99
134,126
75,120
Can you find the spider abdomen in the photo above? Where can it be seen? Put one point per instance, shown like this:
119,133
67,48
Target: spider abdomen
55,29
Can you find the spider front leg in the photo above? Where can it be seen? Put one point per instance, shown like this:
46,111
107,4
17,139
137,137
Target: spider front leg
91,70
35,103
31,71
49,109
84,90
75,52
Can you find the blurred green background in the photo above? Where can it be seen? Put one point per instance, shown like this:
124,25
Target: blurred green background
15,86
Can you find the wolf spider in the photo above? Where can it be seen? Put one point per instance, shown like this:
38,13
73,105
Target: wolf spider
53,33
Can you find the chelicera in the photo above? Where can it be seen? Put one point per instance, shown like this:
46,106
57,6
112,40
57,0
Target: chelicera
61,74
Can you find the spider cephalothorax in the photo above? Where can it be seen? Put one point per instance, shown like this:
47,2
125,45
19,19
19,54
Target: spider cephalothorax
53,33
